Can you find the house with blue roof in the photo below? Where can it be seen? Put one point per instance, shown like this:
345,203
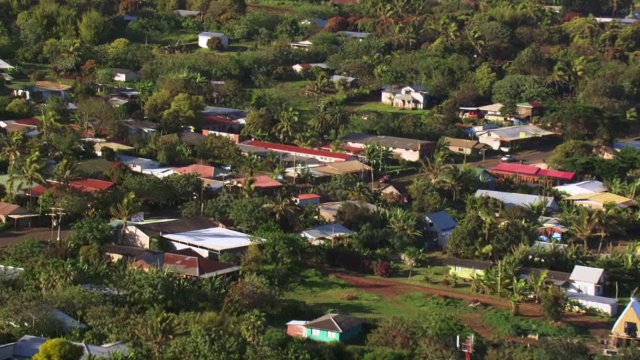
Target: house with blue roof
441,225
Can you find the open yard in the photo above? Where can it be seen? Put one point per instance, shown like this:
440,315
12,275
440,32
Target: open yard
376,106
376,299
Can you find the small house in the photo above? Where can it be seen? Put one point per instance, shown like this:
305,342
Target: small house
307,199
203,171
492,112
511,137
407,97
203,39
296,328
464,146
125,75
334,328
527,110
404,148
138,164
317,235
465,268
587,280
302,45
441,224
15,213
350,82
301,67
597,201
625,330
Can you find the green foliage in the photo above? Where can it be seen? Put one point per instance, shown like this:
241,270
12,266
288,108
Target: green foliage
59,349
91,230
554,303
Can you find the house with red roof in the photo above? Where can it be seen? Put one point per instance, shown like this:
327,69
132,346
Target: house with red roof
185,262
203,171
307,199
83,185
259,182
532,174
320,155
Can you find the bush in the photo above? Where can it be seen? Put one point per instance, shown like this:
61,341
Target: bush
384,269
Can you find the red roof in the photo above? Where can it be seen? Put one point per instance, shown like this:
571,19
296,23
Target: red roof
262,181
191,260
516,168
216,120
85,185
28,122
347,148
299,150
536,104
204,171
308,196
533,171
564,175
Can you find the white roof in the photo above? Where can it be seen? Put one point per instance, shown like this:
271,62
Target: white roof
516,132
493,107
336,78
160,173
515,199
586,274
214,239
583,187
327,231
5,65
211,34
297,322
132,160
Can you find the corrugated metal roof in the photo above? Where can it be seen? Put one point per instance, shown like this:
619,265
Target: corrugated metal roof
515,199
299,150
586,274
442,219
583,187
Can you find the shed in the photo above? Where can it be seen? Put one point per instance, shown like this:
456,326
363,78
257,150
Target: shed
204,37
333,328
466,268
587,280
442,224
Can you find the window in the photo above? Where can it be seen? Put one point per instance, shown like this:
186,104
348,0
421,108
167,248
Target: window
631,329
332,335
315,332
460,150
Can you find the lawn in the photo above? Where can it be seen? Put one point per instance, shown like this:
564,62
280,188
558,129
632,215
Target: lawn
23,83
384,108
294,92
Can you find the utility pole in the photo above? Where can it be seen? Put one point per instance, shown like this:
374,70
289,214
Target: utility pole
466,347
56,222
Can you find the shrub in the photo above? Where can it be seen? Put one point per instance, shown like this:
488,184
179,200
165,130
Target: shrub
384,269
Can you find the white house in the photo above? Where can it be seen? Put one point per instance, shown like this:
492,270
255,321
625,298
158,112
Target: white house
303,45
587,280
319,234
506,138
441,224
138,164
404,148
125,75
204,37
408,97
299,67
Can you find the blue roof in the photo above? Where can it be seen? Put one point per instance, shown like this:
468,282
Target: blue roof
629,144
442,220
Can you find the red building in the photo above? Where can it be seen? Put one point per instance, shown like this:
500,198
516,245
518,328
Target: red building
532,174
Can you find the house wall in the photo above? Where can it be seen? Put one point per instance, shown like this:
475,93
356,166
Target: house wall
387,97
135,237
628,316
202,41
306,202
460,150
297,331
465,273
330,336
585,288
609,309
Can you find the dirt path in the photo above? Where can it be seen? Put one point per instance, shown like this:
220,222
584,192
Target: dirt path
389,288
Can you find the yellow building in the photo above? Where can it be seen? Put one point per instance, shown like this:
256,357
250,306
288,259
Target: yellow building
625,330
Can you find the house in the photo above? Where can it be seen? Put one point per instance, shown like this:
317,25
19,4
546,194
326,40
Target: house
354,35
321,155
395,192
141,234
464,146
351,82
404,148
300,67
465,268
203,171
125,75
441,224
259,182
140,127
116,147
350,167
214,123
334,328
232,114
16,213
49,89
29,127
472,130
83,185
138,164
28,346
558,278
587,280
186,262
4,66
408,97
317,235
513,137
295,328
213,241
203,39
188,13
524,200
583,187
303,45
597,201
160,173
532,174
625,330
307,199
527,110
492,112
329,210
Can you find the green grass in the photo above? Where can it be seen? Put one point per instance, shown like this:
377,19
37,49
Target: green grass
384,108
294,92
93,166
504,324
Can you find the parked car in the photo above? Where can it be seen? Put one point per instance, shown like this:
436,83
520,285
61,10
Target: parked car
508,158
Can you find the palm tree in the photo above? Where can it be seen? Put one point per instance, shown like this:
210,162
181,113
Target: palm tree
283,207
436,167
157,330
453,179
66,171
288,125
49,122
12,148
403,222
539,284
29,173
125,209
519,290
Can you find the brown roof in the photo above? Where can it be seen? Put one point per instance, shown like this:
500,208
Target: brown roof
185,262
467,263
11,209
344,167
178,225
334,322
48,85
464,143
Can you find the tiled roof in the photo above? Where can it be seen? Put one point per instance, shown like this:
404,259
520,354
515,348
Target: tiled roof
299,150
204,171
262,181
556,174
91,185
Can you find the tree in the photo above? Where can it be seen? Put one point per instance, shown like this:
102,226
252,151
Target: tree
184,111
19,108
252,292
125,209
259,124
59,349
66,171
99,115
283,208
518,88
377,155
29,172
554,303
215,44
226,10
91,230
218,149
92,28
288,125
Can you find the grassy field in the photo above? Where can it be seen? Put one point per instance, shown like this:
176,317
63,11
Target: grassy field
383,108
329,294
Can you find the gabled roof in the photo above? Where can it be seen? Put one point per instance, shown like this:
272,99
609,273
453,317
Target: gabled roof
556,277
390,141
493,107
177,225
10,209
633,306
5,65
516,199
212,239
464,143
517,132
586,274
442,219
91,185
204,171
334,322
604,198
533,171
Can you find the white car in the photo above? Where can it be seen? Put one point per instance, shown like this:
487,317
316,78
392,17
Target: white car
508,158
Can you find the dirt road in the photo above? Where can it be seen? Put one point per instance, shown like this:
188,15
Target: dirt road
388,288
